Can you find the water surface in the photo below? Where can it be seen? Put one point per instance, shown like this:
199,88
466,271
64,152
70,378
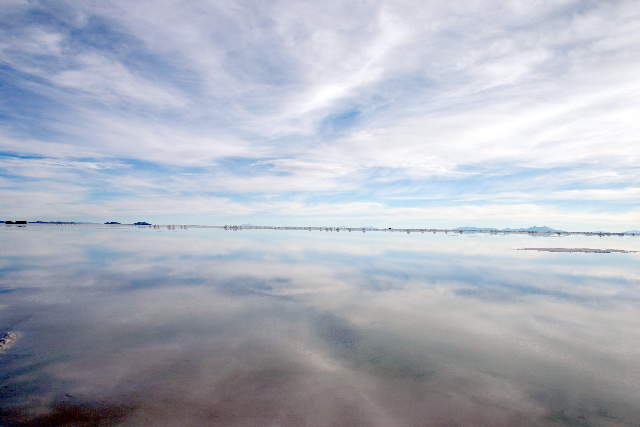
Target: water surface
136,327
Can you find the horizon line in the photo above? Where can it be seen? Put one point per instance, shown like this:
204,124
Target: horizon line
458,230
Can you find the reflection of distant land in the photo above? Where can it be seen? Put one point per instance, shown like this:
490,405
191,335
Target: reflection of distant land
531,231
587,250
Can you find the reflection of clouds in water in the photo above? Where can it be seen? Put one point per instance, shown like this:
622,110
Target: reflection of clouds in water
324,330
259,378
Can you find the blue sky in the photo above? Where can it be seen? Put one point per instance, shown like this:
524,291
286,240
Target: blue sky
384,113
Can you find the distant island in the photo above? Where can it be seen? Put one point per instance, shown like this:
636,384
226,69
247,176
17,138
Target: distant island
47,222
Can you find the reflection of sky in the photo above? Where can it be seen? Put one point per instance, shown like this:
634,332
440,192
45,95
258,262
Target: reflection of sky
316,328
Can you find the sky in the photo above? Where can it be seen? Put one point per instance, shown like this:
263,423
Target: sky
344,113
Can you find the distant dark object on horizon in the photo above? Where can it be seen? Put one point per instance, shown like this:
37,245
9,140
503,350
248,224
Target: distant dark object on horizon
112,222
16,222
141,223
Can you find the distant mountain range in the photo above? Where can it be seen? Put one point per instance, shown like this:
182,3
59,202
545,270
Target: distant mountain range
534,228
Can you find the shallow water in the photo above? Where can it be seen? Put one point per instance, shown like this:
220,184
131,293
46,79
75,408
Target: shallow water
137,327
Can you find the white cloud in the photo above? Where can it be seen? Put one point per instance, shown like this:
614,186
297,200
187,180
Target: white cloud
110,81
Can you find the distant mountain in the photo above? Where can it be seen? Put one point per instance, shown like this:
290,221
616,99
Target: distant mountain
632,232
535,228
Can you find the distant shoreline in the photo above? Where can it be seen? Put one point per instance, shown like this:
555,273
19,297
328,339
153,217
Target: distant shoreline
584,250
350,229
